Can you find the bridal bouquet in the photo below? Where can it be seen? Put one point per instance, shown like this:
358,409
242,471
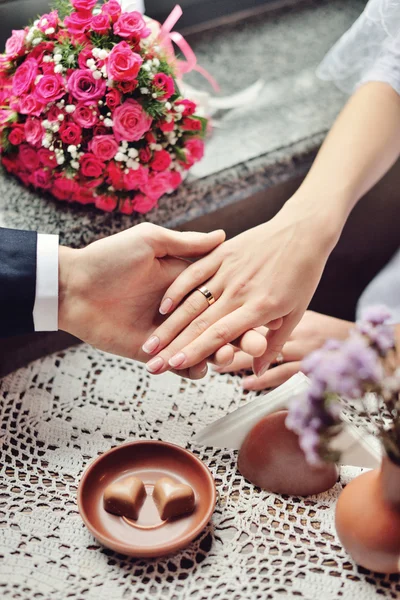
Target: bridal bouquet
91,110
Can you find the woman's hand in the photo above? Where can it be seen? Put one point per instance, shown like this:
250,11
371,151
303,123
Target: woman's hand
310,334
266,275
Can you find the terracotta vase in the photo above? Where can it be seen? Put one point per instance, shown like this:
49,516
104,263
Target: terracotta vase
271,458
368,518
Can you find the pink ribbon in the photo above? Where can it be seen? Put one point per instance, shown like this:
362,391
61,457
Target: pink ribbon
190,64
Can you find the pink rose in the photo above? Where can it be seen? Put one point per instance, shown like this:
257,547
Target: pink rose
17,134
28,157
165,84
130,121
15,44
145,155
190,107
84,56
175,179
91,166
41,178
54,113
122,63
84,87
101,23
191,124
166,126
131,25
47,21
135,179
106,203
24,77
115,175
34,131
126,207
126,87
161,160
113,99
47,158
64,188
100,130
84,196
50,88
150,137
157,186
195,148
78,22
29,105
104,147
112,8
143,204
86,116
84,5
70,133
40,50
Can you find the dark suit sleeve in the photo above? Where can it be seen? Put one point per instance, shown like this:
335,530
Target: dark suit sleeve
17,281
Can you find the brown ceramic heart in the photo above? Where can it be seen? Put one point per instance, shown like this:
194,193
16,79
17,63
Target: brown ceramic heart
125,497
271,458
173,499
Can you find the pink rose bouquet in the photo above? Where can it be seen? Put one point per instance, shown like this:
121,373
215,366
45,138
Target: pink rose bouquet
91,110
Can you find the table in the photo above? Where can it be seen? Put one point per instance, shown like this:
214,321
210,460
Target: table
58,413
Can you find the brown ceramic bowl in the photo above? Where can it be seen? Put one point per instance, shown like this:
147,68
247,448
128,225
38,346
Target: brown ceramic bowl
149,536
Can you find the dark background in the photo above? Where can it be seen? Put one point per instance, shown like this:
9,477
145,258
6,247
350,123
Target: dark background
16,14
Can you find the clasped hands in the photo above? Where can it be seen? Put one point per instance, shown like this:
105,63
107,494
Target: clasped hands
110,291
135,293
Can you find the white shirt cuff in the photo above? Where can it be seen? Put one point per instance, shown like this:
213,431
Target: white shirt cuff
45,310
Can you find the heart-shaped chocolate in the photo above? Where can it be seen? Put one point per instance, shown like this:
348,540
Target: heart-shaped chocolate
173,499
125,497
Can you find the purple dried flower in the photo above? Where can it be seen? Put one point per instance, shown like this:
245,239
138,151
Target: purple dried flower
381,337
376,315
310,444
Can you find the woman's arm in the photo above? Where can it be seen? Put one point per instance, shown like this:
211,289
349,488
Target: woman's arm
362,145
272,271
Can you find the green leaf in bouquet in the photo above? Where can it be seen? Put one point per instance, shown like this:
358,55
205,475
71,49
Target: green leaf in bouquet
180,153
6,146
203,122
63,7
155,109
144,79
105,42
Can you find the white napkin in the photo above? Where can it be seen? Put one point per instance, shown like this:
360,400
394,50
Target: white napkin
358,448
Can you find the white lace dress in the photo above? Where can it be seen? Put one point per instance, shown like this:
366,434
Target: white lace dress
370,51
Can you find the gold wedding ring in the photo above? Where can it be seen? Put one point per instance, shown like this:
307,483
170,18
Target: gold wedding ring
207,294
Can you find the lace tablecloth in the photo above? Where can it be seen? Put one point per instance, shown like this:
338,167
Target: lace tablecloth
60,412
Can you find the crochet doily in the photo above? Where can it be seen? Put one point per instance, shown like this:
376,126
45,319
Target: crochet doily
60,412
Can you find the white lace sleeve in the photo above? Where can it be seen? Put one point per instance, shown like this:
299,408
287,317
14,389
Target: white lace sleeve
368,51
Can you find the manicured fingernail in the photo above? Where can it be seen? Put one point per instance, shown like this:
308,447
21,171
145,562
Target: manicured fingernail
151,344
263,370
177,360
249,382
166,306
154,365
